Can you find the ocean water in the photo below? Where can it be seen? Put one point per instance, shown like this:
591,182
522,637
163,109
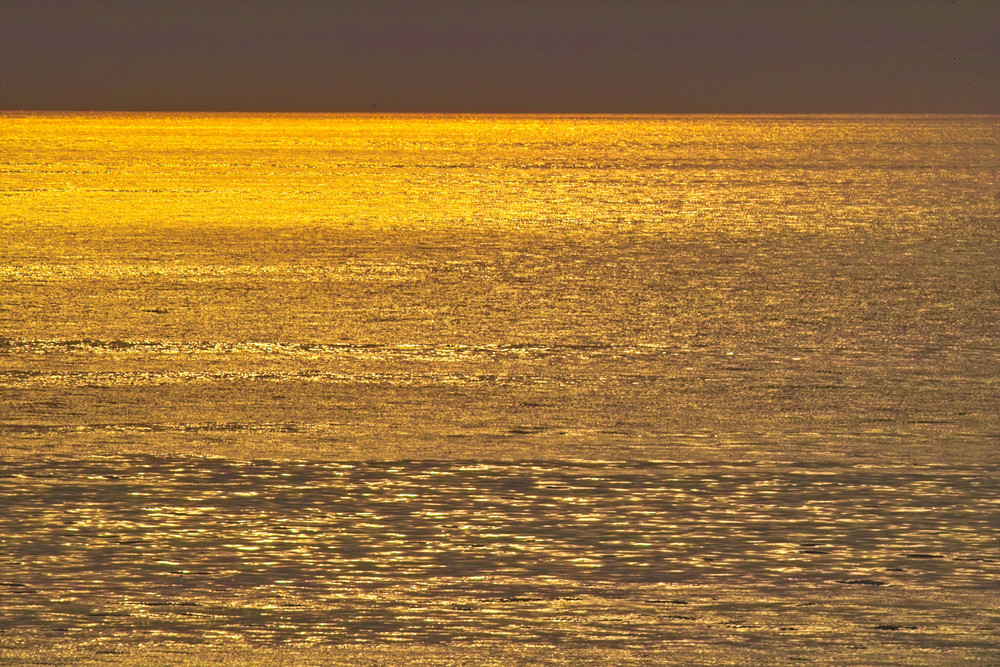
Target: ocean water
404,389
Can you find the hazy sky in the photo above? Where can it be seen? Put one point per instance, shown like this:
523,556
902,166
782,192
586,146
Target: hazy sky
701,56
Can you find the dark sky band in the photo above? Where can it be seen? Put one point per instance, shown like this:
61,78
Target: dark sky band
708,56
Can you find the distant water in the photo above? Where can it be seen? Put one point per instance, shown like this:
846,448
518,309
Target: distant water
606,389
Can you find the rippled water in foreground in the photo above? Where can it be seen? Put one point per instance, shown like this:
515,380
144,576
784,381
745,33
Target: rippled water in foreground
389,389
629,556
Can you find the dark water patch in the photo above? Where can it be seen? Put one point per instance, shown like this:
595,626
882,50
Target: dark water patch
204,549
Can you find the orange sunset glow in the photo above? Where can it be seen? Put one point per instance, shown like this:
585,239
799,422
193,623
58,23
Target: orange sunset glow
445,333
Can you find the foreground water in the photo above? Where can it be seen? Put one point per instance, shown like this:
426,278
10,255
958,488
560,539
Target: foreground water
637,557
512,389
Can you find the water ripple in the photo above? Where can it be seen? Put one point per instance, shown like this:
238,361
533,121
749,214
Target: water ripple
625,555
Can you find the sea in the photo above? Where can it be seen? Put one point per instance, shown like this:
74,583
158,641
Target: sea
492,389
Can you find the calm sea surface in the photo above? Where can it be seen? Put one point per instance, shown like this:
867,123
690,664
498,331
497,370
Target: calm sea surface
499,389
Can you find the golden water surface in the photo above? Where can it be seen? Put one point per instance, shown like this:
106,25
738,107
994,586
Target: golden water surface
498,388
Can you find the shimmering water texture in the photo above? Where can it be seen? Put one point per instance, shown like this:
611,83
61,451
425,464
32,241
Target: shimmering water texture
636,557
499,389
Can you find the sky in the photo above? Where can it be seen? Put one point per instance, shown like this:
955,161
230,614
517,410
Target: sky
502,56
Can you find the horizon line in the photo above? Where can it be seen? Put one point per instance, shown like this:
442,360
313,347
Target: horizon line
371,112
